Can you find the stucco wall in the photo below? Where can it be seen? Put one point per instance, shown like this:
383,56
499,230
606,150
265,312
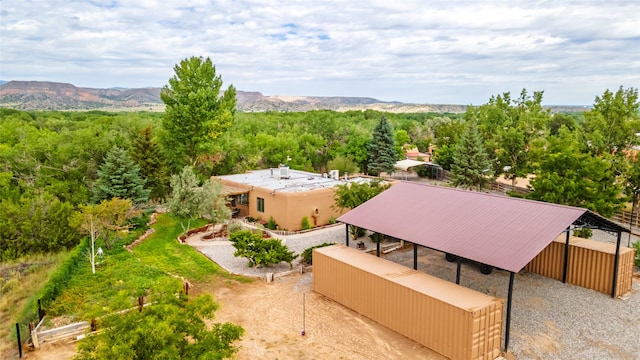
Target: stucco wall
288,208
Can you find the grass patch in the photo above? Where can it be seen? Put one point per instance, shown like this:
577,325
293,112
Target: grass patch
156,264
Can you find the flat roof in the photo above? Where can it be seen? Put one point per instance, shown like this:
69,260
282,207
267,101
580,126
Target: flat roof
296,181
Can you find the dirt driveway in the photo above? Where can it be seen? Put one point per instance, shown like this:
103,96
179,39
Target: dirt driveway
272,316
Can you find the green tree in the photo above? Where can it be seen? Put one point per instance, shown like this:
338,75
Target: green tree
146,153
214,202
381,150
471,167
189,200
185,201
402,142
345,164
352,195
260,251
197,112
611,126
119,177
565,175
508,127
171,328
114,215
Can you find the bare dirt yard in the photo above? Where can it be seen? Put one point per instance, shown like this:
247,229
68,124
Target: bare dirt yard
272,316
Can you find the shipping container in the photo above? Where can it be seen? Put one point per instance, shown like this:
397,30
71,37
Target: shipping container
450,319
590,264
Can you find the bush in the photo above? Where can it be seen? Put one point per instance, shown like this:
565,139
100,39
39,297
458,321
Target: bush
260,251
636,245
584,233
233,227
376,237
307,254
306,225
357,232
332,220
271,224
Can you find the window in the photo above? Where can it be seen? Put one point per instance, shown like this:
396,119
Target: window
260,205
244,199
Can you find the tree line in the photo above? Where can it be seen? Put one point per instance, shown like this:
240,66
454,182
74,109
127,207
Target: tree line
54,164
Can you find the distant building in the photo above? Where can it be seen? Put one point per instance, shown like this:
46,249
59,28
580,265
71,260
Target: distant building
286,195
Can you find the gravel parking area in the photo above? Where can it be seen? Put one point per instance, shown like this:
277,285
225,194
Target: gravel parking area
550,320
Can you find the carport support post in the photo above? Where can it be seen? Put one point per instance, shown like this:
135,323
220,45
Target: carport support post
377,246
458,266
415,256
616,261
566,257
346,226
509,297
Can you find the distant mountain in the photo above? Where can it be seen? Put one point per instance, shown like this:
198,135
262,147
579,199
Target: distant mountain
44,95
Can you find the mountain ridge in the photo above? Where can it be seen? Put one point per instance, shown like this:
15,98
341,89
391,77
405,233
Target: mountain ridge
48,95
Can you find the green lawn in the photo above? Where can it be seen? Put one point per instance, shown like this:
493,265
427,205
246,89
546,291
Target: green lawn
156,264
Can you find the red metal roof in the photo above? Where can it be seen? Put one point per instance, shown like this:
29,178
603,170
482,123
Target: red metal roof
497,230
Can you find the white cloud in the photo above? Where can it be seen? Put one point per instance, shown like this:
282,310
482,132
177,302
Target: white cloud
413,51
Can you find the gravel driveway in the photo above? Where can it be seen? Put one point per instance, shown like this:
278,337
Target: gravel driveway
550,320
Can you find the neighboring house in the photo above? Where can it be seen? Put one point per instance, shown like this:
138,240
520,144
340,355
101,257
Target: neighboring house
286,195
414,154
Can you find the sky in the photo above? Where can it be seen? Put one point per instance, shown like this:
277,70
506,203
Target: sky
422,51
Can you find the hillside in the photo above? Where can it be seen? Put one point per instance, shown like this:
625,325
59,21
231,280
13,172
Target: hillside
44,95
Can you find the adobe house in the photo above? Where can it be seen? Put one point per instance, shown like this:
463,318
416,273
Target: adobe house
286,195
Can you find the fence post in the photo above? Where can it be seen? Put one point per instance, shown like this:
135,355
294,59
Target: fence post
40,311
140,303
19,342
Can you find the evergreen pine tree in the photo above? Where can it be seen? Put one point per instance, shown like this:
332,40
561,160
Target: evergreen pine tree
146,153
471,166
381,149
119,177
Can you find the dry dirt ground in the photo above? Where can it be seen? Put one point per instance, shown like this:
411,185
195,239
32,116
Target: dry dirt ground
272,316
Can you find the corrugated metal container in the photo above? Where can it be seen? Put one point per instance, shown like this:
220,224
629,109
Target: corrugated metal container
452,320
590,264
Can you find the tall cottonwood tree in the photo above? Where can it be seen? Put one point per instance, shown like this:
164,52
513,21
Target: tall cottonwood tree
197,111
509,127
612,124
381,150
471,167
567,175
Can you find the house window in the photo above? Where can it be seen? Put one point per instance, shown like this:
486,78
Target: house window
260,205
244,199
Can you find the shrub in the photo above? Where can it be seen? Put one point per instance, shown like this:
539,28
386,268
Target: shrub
260,251
584,233
307,254
376,237
332,220
306,225
636,245
271,224
357,232
233,227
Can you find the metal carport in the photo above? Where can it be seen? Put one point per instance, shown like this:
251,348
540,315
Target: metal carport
500,231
